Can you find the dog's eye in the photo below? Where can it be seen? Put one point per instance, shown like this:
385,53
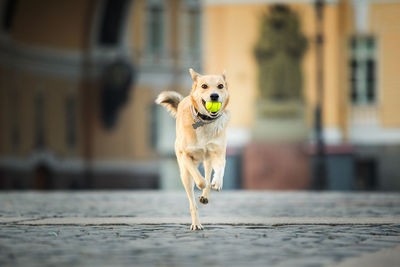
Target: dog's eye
220,86
204,86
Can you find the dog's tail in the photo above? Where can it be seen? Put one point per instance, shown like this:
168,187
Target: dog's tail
170,100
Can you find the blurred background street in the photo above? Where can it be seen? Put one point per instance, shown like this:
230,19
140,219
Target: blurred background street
314,91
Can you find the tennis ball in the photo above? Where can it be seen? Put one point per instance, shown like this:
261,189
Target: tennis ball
213,106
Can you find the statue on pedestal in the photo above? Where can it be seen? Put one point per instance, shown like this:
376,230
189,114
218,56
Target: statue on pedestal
276,158
278,52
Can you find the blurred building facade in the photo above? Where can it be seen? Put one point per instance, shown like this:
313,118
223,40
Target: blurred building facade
78,81
361,86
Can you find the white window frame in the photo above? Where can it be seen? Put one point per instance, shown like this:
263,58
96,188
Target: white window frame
161,59
362,54
190,58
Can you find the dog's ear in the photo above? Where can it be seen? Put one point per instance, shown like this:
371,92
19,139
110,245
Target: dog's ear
194,74
224,75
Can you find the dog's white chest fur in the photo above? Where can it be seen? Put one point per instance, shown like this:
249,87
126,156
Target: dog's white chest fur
206,135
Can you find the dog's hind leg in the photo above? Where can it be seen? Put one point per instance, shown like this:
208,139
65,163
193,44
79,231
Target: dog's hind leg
207,173
187,182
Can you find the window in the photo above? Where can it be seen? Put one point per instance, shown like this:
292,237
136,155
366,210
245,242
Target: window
8,14
363,70
155,28
112,22
162,130
194,29
15,133
191,32
39,121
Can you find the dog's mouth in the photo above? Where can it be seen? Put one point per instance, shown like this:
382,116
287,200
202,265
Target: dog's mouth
212,114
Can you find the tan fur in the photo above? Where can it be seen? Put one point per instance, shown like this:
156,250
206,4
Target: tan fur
206,144
170,100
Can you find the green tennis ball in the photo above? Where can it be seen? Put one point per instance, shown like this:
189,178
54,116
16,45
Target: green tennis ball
213,106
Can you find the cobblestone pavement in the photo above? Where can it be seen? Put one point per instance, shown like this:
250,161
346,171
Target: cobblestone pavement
295,244
225,203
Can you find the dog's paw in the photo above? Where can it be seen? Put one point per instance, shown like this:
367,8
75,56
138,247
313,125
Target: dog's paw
195,227
203,200
216,185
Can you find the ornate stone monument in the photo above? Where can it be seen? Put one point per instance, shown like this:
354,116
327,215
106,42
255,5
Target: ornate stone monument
276,158
278,52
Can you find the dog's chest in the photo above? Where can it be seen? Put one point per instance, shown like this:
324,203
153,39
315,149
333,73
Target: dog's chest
209,135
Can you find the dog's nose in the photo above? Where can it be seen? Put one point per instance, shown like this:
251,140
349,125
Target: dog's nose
214,97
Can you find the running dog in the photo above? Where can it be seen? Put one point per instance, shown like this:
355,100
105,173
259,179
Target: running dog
200,135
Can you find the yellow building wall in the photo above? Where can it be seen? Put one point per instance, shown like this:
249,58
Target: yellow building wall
51,26
58,24
56,93
173,46
345,31
135,26
385,24
131,137
230,33
228,44
18,106
331,70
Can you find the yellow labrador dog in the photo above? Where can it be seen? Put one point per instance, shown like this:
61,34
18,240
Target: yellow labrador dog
200,135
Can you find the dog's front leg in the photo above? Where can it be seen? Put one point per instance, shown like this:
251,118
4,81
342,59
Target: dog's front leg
218,164
187,182
191,166
207,174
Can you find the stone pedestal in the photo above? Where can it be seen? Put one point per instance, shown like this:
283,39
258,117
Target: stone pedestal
276,157
279,121
275,167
